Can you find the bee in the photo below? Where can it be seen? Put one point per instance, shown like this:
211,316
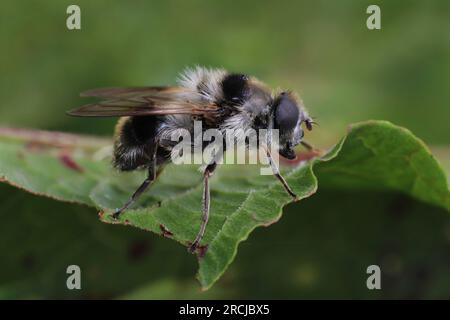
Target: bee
219,99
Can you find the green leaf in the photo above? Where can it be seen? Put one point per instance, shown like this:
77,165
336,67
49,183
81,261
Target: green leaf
377,155
374,155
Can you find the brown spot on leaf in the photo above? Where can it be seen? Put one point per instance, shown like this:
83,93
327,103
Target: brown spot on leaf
165,232
201,250
35,146
301,156
68,162
101,214
137,250
51,139
305,156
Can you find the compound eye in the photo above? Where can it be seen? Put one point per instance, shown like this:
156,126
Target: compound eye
286,113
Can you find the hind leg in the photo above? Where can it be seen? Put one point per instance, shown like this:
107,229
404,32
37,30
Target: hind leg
151,177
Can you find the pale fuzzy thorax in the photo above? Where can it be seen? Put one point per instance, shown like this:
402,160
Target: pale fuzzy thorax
237,123
208,84
203,80
257,106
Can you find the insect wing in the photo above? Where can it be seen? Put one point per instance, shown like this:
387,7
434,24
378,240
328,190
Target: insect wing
143,101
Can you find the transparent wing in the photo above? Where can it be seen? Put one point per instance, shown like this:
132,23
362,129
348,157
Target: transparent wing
144,101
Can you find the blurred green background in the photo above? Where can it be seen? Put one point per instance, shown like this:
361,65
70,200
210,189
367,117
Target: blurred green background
322,49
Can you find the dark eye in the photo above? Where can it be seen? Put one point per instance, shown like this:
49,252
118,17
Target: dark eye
286,113
235,87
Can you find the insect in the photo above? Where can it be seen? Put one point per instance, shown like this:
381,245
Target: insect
219,99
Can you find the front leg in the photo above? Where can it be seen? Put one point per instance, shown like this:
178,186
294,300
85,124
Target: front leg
273,165
276,173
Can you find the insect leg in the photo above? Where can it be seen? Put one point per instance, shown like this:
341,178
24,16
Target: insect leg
276,173
206,203
273,165
149,180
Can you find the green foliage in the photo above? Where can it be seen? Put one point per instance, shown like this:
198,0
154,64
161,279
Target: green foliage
380,156
374,155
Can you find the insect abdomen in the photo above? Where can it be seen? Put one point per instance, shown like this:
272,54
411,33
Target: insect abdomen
135,142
